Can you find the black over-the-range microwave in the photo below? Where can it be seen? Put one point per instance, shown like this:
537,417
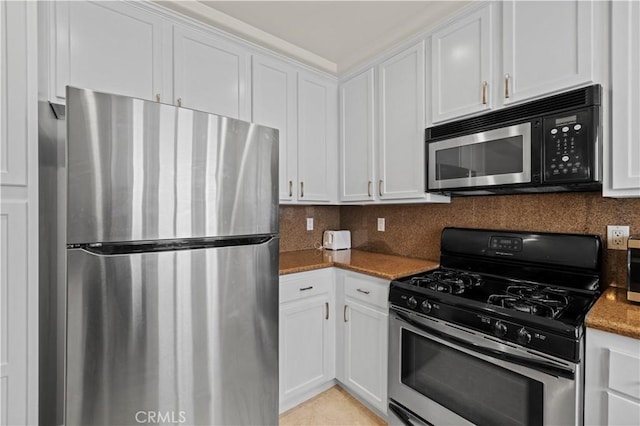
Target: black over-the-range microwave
548,145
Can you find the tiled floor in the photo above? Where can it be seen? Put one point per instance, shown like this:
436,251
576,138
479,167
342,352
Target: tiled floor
332,407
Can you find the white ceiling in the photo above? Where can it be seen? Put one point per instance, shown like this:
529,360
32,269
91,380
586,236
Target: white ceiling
333,35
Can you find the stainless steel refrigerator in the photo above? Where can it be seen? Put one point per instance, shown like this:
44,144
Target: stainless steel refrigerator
159,278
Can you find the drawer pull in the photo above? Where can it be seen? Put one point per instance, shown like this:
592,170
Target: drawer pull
344,313
507,77
306,288
363,291
484,92
326,306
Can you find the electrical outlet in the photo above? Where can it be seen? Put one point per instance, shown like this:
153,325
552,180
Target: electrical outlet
381,224
309,224
617,237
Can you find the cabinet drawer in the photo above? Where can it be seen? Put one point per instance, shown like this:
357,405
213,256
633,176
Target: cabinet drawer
624,374
305,284
369,290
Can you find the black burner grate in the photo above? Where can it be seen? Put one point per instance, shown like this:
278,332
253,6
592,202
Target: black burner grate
452,282
546,302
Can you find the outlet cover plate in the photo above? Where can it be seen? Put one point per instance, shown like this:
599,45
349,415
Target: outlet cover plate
309,224
381,224
617,237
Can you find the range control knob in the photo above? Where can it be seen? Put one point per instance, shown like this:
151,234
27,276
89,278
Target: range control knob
425,307
500,329
524,336
412,302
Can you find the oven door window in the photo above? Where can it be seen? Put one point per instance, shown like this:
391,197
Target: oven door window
481,392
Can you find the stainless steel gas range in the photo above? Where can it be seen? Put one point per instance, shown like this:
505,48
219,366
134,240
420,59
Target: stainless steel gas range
496,334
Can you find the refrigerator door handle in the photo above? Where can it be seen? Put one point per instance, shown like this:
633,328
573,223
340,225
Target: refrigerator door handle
107,249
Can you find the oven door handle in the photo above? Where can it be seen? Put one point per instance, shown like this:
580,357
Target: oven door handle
515,359
405,417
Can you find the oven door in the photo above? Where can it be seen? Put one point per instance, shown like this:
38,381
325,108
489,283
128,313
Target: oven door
495,157
442,374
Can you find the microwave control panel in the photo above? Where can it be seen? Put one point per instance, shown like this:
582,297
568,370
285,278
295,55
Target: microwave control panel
568,147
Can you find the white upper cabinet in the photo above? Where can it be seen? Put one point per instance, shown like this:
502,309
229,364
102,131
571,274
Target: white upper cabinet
401,125
622,155
461,58
357,137
274,88
210,74
111,47
317,139
14,94
547,47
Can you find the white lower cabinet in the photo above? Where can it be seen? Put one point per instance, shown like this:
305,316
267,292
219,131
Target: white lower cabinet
362,336
333,324
612,379
306,335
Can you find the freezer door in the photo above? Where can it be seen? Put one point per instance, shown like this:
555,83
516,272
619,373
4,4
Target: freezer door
141,170
185,337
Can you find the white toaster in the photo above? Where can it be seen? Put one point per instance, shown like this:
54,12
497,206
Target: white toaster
336,240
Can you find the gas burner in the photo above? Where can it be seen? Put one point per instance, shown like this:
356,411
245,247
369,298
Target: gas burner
546,302
447,281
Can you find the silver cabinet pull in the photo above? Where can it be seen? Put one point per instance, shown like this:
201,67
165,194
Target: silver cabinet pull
507,77
306,288
179,102
301,189
157,97
380,187
344,313
363,291
369,188
326,307
290,188
484,92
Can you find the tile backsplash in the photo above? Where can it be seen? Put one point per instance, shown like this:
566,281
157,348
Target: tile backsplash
414,230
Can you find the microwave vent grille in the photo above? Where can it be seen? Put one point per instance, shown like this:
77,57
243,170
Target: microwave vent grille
583,97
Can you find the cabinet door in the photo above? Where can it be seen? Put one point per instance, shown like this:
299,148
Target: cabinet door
274,105
612,385
306,359
111,47
624,152
365,352
210,74
401,142
461,66
547,46
317,139
14,94
357,138
17,358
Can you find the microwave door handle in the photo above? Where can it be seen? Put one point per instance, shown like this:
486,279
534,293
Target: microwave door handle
515,359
